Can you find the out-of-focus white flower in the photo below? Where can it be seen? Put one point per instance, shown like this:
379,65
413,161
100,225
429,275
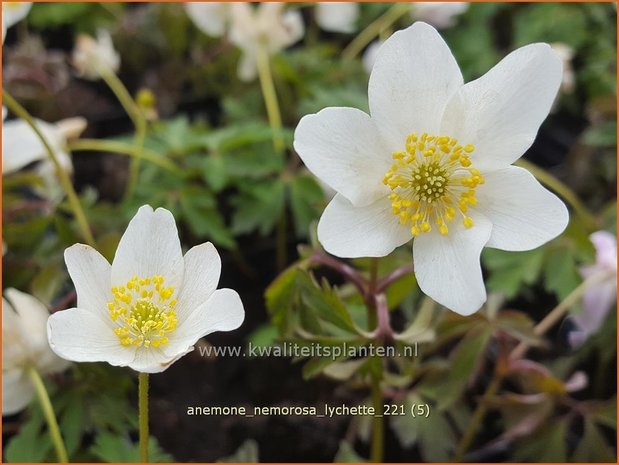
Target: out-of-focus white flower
337,16
91,56
21,147
599,299
441,15
24,345
370,54
212,18
433,163
267,26
12,13
149,307
566,53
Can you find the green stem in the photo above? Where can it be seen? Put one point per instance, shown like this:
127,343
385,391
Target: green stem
270,97
74,202
478,417
97,145
143,416
378,427
564,191
50,416
559,311
374,29
137,117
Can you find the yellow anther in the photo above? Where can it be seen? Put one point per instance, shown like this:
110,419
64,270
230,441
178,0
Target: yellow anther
429,189
467,222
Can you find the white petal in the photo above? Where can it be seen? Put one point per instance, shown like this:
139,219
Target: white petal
524,214
17,391
448,267
90,273
413,78
210,17
222,312
337,16
13,12
202,270
350,232
84,336
439,14
153,360
32,319
21,145
150,246
501,112
342,147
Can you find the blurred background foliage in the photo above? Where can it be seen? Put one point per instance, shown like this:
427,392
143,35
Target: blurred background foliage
230,187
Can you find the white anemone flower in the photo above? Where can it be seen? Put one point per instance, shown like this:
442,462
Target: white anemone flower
24,346
337,16
599,299
21,147
150,306
441,15
12,13
267,25
433,160
212,18
91,56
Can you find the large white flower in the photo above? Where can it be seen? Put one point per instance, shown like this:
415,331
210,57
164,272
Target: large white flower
150,306
268,25
12,13
93,56
337,16
24,345
212,18
433,163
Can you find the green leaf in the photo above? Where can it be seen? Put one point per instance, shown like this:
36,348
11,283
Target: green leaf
214,172
306,200
548,444
246,453
604,135
511,271
258,207
71,424
561,272
117,449
30,444
464,360
347,454
593,446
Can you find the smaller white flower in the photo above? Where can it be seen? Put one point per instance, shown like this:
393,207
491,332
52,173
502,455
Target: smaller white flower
337,16
441,15
21,147
566,53
150,306
599,299
93,56
12,13
24,345
266,25
212,18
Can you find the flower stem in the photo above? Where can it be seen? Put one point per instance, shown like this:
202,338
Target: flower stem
74,202
143,415
270,96
138,119
478,417
559,311
374,29
96,145
378,426
50,416
372,308
560,188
